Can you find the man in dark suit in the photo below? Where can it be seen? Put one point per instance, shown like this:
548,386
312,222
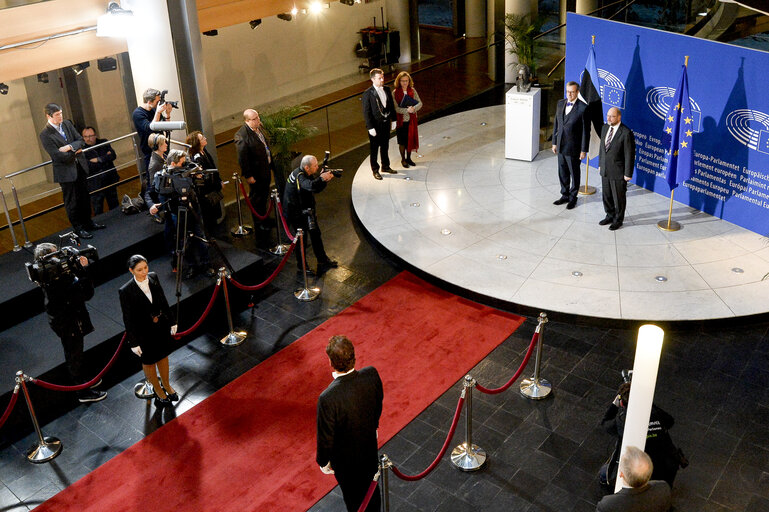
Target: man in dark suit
638,494
571,141
255,160
348,418
101,171
64,145
617,160
379,114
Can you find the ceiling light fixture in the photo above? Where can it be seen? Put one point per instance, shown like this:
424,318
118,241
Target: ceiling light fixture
117,22
285,16
315,7
255,23
211,33
3,89
42,78
79,68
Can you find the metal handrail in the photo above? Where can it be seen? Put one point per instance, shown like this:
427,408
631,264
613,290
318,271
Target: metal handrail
558,27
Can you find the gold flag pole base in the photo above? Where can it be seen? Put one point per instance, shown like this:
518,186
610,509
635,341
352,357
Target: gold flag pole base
587,190
664,225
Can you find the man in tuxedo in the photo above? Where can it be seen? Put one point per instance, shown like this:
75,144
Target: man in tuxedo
638,494
379,114
617,160
571,141
65,146
255,160
348,419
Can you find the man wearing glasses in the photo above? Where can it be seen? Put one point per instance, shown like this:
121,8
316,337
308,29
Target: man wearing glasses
255,160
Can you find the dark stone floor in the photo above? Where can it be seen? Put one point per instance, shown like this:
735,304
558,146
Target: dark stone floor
542,455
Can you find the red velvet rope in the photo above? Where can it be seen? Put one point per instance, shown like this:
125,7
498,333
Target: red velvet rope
79,387
285,225
269,279
369,494
251,207
445,447
488,391
180,335
8,409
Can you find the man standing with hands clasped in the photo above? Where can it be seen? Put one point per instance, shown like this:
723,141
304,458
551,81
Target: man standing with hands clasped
617,159
348,419
379,114
571,141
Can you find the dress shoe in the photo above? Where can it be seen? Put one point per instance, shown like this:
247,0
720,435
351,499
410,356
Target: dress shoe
410,162
405,164
310,272
571,204
326,265
607,220
377,176
82,233
561,201
389,170
94,226
162,402
615,226
90,395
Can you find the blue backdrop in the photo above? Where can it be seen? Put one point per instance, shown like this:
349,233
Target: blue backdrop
639,69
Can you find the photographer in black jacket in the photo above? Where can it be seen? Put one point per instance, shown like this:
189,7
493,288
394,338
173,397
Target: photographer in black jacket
299,202
65,299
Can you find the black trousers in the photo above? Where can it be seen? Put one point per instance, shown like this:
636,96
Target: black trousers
614,192
354,488
76,201
301,222
259,195
569,175
379,143
98,198
73,354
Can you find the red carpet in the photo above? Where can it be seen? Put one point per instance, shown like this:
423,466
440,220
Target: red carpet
251,445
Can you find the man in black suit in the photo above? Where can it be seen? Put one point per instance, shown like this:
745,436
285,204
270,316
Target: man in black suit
571,141
101,171
379,114
348,419
255,160
617,160
638,494
64,145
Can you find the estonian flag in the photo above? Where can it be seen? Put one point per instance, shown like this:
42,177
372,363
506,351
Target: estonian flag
589,90
678,135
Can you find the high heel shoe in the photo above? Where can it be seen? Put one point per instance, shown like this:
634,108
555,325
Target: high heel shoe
173,397
162,402
405,164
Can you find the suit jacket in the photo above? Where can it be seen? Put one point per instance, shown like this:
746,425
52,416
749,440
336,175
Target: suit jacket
652,497
101,173
571,134
348,418
64,166
138,312
252,156
619,160
374,113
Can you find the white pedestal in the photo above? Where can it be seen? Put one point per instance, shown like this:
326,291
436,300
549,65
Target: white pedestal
522,124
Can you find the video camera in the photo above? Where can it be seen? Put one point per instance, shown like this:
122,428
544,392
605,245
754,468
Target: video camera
174,104
62,263
324,166
187,180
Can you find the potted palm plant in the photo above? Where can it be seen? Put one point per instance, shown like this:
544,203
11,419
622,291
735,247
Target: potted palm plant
283,131
519,33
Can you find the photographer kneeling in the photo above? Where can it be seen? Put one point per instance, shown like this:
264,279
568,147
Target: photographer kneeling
299,202
66,287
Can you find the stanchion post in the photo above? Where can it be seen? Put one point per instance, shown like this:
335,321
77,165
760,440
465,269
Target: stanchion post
305,294
587,190
144,390
536,387
233,338
27,243
280,248
467,456
385,464
16,246
241,230
46,448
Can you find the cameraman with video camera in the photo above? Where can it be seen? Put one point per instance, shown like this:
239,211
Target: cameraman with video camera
299,202
66,287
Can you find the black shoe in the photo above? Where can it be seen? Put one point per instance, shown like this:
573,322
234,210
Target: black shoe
209,272
94,226
326,265
82,233
571,204
607,220
90,395
389,170
310,272
377,176
163,402
560,201
405,164
410,162
615,226
173,397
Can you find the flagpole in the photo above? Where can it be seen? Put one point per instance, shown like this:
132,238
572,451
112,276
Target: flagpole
672,225
588,190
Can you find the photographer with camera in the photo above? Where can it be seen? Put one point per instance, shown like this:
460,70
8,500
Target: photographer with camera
153,109
66,287
299,202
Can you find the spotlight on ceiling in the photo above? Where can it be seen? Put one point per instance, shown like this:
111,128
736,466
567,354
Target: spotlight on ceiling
3,89
347,2
294,11
255,23
315,7
117,22
285,16
42,78
79,68
211,33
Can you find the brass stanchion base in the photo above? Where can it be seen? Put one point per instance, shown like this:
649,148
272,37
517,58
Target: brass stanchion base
307,294
241,230
587,190
673,226
49,450
144,390
234,338
468,459
536,389
280,249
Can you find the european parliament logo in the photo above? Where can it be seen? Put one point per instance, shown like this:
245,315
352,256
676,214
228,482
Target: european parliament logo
750,128
612,89
658,99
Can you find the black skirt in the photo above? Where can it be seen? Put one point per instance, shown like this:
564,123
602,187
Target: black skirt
159,343
402,132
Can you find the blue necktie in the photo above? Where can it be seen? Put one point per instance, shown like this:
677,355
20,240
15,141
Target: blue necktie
61,132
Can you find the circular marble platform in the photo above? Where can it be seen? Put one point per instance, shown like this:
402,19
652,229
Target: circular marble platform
469,217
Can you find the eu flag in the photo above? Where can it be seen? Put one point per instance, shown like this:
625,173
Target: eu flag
677,135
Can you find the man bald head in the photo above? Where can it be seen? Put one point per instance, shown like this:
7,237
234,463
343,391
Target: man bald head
614,116
251,118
